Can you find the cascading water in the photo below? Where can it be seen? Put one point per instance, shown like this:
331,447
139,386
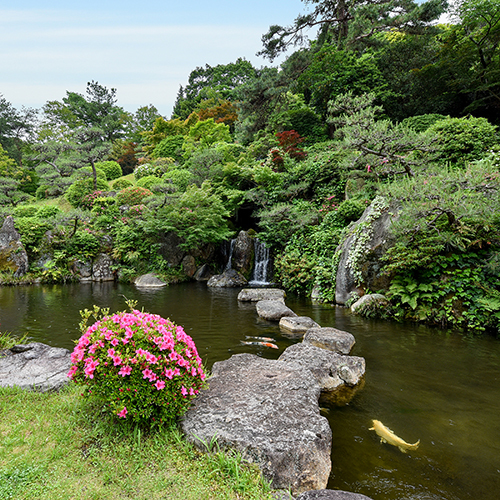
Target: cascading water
261,265
230,258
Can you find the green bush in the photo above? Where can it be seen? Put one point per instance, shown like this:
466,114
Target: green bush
83,187
145,368
149,181
462,140
421,123
84,244
121,184
132,195
170,147
25,211
351,210
111,169
49,211
32,230
180,178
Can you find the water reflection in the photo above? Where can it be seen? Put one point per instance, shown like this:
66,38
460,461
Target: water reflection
439,387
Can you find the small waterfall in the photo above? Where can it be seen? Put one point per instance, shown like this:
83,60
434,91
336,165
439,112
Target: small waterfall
261,265
229,260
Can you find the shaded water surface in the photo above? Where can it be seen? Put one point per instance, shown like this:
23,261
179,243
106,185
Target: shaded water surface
440,387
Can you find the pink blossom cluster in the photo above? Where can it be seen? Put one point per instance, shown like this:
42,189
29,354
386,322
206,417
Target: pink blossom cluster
142,347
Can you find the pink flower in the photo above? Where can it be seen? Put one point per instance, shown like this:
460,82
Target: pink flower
117,361
160,384
115,342
123,412
169,373
184,391
125,370
72,371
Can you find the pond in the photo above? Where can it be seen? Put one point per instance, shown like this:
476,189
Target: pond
440,387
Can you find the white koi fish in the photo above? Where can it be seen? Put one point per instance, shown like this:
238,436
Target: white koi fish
387,436
264,344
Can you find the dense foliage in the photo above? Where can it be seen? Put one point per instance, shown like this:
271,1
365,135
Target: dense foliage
378,105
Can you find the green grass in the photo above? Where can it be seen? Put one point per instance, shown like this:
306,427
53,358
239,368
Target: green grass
7,340
60,446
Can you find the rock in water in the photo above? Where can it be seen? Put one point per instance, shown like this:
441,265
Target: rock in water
13,256
256,294
149,280
268,411
273,310
229,279
35,366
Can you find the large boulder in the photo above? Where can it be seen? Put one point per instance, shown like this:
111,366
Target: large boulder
331,495
273,310
203,273
228,279
367,240
331,370
189,266
13,256
331,339
256,294
102,268
371,302
170,249
243,254
268,410
149,281
295,327
35,366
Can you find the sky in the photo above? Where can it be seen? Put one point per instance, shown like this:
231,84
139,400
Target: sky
144,49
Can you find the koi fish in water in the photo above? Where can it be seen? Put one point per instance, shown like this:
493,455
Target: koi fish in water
265,339
264,344
387,436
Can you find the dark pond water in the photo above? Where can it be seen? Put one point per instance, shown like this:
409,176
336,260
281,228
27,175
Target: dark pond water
440,387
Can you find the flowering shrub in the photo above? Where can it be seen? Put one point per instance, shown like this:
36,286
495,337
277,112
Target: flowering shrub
142,366
132,195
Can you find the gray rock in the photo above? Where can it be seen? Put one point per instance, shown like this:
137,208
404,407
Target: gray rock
331,495
331,370
149,280
35,366
369,301
273,310
256,294
82,268
331,339
228,279
268,410
170,249
297,326
203,273
243,254
367,241
13,256
101,268
189,265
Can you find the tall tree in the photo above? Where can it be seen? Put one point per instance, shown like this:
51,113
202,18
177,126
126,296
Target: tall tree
346,23
219,81
97,109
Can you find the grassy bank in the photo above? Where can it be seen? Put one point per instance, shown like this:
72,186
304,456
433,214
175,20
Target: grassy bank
59,446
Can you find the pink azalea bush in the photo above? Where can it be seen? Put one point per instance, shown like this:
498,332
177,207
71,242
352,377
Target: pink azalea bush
143,366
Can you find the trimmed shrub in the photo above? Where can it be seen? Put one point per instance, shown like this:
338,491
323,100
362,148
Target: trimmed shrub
111,169
462,140
25,211
149,181
121,184
132,195
81,188
144,367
